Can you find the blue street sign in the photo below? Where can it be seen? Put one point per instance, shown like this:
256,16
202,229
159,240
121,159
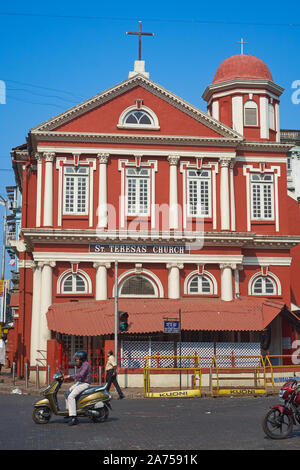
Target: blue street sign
171,326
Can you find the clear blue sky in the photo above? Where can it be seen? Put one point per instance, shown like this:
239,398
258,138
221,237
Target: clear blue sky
55,54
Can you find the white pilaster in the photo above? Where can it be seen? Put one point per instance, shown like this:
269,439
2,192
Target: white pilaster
46,301
215,109
48,189
174,280
35,315
232,197
226,282
101,280
38,189
224,194
102,201
173,194
237,114
277,122
264,117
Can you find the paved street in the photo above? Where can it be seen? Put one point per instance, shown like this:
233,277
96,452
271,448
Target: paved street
139,424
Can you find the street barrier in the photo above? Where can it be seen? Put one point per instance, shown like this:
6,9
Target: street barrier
174,366
240,379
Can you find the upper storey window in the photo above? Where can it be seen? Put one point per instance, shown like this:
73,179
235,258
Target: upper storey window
138,117
138,191
262,196
250,114
76,190
199,193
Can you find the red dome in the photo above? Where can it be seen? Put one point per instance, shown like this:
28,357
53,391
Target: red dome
242,66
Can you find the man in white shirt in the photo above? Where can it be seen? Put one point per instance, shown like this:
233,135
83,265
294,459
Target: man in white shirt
2,353
111,374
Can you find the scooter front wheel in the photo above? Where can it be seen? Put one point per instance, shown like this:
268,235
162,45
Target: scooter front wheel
277,425
41,415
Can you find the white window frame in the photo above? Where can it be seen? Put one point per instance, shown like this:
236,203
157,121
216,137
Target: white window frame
81,274
262,196
276,171
78,172
200,278
155,295
75,277
207,275
137,180
154,120
250,104
272,277
199,178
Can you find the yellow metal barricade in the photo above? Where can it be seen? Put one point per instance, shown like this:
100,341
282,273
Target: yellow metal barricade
237,379
174,365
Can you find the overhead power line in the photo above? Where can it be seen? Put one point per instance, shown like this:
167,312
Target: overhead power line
161,20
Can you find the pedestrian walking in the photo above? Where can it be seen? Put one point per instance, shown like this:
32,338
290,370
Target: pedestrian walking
2,352
83,379
111,374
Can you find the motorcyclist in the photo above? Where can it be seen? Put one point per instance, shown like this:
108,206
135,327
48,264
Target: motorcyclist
83,379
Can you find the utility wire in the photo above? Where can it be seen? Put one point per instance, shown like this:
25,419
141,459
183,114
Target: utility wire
42,87
41,94
163,20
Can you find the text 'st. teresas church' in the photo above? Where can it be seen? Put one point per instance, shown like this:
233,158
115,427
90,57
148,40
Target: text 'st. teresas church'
190,207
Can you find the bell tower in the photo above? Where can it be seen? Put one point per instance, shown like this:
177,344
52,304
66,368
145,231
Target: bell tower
243,96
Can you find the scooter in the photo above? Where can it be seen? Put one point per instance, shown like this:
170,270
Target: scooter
94,402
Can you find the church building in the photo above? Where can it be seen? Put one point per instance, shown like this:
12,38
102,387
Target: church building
137,201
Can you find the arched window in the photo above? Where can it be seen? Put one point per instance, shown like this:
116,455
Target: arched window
250,113
264,285
74,284
138,117
200,285
138,286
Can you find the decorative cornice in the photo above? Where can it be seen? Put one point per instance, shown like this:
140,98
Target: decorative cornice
191,239
268,146
52,136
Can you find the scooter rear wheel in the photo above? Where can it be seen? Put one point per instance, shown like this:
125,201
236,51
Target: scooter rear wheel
41,415
104,412
277,425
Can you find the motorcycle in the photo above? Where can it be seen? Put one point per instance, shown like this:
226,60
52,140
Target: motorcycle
279,420
94,402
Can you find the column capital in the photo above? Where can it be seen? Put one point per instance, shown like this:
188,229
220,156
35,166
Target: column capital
98,264
38,157
227,265
51,264
49,157
175,265
173,159
225,162
103,157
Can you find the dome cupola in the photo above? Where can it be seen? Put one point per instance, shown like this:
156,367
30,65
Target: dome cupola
244,97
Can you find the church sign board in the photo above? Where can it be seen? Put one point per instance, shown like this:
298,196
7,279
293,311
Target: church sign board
130,248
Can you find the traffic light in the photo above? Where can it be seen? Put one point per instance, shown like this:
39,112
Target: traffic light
123,321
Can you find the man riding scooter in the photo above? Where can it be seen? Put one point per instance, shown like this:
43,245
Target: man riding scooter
83,380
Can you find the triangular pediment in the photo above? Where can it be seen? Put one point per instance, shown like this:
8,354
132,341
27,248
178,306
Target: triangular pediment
187,119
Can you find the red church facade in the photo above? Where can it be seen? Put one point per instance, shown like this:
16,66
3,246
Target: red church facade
192,206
